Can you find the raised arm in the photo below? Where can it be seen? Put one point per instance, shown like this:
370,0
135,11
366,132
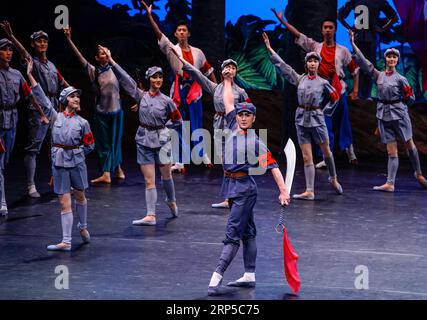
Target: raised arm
67,34
228,95
290,27
286,70
125,80
38,98
153,23
364,63
7,28
207,84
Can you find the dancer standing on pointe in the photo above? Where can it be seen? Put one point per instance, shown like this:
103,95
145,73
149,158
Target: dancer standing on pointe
72,140
51,82
217,91
153,138
309,118
394,93
109,116
240,187
185,92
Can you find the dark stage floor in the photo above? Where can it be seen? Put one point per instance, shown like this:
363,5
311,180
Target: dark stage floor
174,260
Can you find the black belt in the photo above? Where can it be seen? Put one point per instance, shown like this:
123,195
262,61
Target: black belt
148,127
390,101
65,147
309,108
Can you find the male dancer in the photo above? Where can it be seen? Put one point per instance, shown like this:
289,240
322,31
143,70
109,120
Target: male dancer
185,92
52,82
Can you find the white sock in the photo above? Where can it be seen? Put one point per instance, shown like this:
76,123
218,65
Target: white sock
216,278
247,277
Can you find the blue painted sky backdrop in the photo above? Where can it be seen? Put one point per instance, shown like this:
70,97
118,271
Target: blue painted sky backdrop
236,8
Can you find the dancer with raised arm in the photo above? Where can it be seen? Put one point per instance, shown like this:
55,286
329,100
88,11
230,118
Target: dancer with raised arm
309,118
394,93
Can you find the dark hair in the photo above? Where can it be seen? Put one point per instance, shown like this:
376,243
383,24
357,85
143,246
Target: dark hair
329,19
183,23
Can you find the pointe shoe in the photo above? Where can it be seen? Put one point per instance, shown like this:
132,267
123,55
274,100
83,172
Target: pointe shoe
321,165
146,221
84,233
120,174
337,187
32,192
354,162
214,290
222,205
59,247
304,196
101,180
421,180
174,209
3,210
386,187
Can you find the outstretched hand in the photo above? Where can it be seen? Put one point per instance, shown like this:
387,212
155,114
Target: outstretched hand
351,35
266,41
5,25
67,32
134,108
29,62
146,7
106,51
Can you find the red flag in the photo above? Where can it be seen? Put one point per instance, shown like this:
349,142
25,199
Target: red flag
290,263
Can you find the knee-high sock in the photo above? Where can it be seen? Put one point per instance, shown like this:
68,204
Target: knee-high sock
67,226
393,165
310,173
228,253
415,160
169,187
30,167
81,210
151,200
249,254
3,194
330,163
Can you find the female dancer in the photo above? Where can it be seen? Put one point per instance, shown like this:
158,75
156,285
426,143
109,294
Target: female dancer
72,139
153,138
394,94
309,117
108,115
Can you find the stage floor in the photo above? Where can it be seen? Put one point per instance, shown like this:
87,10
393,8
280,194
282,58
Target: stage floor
333,235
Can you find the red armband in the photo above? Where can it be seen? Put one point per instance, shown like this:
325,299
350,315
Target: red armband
26,89
175,115
407,92
266,159
88,139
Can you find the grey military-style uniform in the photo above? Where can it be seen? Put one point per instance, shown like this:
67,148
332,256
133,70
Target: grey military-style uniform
72,139
312,91
392,111
12,87
156,114
51,82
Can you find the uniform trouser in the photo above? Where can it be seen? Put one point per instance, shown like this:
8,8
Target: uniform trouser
240,226
369,50
37,133
8,137
194,113
108,139
339,124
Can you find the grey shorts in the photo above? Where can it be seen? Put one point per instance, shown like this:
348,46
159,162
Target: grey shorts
308,135
146,155
390,130
65,178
